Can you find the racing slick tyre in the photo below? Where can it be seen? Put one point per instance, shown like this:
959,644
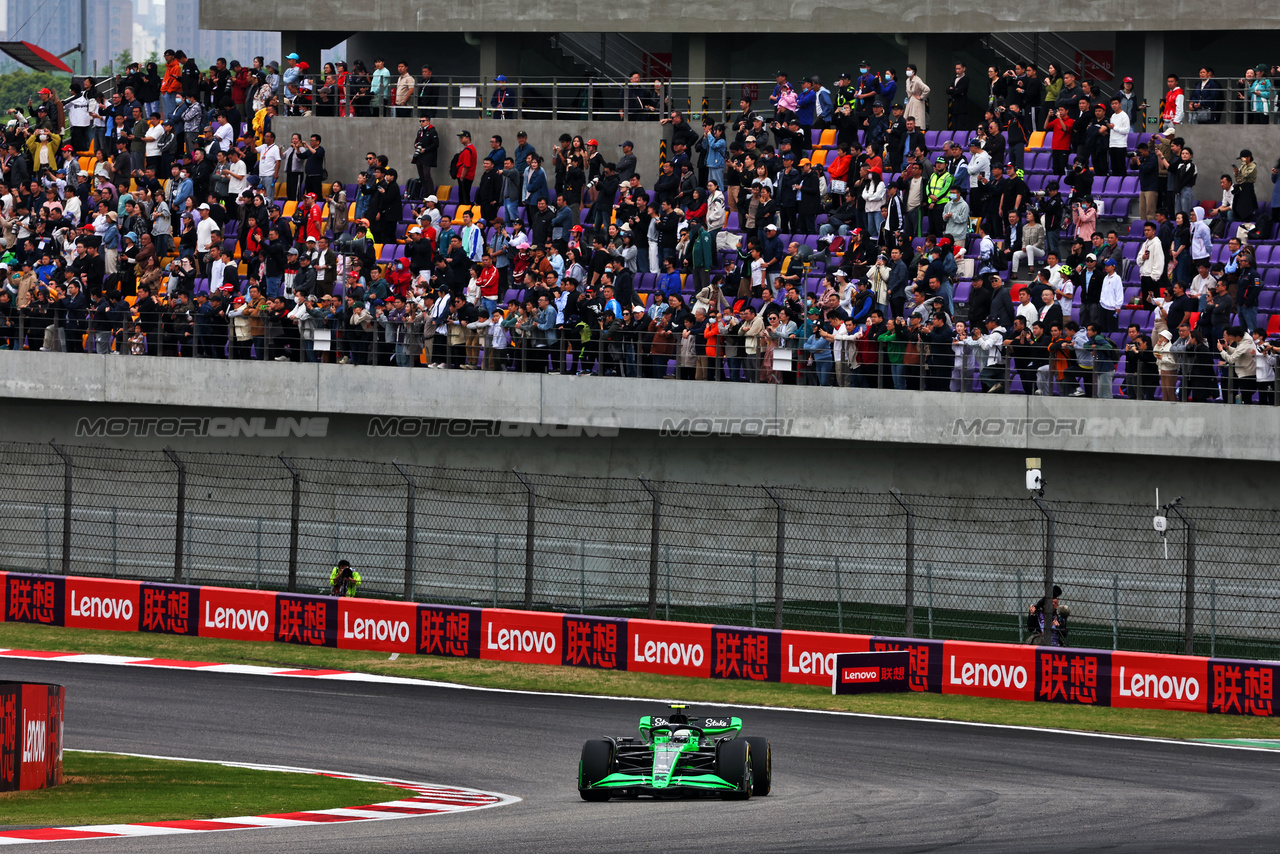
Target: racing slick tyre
733,765
761,765
595,765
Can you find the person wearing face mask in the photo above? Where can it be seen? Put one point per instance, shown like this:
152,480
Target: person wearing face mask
889,86
955,215
916,91
868,88
43,148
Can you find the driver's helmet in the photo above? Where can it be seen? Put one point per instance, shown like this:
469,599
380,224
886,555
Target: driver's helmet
681,736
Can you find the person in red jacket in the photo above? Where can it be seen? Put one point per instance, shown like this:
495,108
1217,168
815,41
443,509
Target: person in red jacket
1060,125
466,171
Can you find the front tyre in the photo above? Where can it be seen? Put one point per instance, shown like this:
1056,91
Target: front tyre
596,764
733,765
761,765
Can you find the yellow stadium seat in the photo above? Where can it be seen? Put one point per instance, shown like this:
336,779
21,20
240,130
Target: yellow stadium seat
828,138
289,209
280,188
818,156
443,192
351,211
1037,140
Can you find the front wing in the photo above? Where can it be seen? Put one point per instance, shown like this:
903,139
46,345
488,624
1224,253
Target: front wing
704,781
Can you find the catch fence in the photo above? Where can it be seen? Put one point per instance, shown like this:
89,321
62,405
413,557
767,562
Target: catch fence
885,563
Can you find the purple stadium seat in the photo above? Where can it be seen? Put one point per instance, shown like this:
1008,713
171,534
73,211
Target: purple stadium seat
931,139
1135,228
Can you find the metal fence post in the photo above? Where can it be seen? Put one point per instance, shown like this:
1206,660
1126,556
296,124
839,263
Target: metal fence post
1189,625
910,582
1046,639
779,556
655,519
410,518
66,508
528,542
295,511
181,514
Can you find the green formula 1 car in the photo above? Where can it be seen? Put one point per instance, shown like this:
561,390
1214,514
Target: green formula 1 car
678,755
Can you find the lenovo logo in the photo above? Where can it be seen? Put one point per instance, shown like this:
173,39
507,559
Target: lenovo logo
810,662
989,675
662,652
515,640
381,630
239,619
33,744
1166,687
100,608
860,674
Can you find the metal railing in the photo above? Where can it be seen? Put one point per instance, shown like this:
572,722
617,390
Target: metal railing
1235,103
889,563
552,98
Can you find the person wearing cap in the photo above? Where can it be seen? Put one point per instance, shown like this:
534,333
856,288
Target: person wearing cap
498,108
464,171
937,194
426,148
1128,99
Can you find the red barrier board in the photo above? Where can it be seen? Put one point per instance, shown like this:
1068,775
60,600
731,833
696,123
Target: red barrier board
754,654
1080,677
809,658
99,603
170,609
247,615
595,642
1004,671
926,660
674,649
31,723
1242,687
871,672
1146,681
376,624
445,630
306,620
528,636
4,591
34,599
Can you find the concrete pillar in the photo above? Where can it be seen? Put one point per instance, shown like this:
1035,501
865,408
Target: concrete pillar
697,72
918,55
1153,76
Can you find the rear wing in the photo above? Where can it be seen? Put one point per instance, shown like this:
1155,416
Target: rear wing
649,724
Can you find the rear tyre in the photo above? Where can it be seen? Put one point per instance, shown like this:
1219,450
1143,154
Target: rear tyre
733,765
761,765
596,764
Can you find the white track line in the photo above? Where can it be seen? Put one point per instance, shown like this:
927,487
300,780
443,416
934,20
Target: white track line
351,676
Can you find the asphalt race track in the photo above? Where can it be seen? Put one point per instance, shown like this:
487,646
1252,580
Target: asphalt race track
840,783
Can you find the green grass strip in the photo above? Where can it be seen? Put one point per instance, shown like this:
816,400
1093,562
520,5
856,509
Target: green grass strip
105,788
578,680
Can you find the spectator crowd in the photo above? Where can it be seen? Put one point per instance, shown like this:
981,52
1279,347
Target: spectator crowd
824,236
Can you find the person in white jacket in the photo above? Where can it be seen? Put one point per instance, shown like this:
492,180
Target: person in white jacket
873,195
1238,351
1112,296
990,355
1151,262
965,365
1265,359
